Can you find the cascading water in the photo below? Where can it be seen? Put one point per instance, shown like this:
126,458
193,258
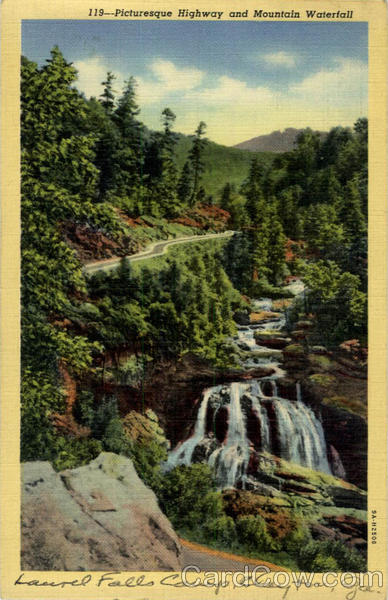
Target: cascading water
294,433
258,420
182,454
300,435
231,459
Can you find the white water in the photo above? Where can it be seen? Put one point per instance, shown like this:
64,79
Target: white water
231,460
182,454
300,435
296,434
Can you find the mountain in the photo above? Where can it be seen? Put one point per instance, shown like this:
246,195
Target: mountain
277,141
222,164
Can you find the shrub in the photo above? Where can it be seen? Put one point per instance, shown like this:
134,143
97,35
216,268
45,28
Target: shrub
323,563
84,408
221,530
147,457
73,453
252,533
307,555
346,558
296,539
188,497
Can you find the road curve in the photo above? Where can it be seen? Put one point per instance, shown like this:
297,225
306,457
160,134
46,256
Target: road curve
156,249
208,559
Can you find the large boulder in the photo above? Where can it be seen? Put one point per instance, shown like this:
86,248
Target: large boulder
96,517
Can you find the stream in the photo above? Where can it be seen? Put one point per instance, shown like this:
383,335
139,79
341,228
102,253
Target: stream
240,420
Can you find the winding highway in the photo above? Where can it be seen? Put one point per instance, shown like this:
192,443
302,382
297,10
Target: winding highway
207,559
156,249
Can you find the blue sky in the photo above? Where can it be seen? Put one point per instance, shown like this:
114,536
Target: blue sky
242,78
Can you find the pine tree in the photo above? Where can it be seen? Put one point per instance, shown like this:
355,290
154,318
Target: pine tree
108,95
351,213
185,184
128,157
276,247
252,190
196,159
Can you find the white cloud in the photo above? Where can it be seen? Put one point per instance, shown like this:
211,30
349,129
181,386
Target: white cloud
345,83
92,72
174,78
229,91
235,111
280,59
166,79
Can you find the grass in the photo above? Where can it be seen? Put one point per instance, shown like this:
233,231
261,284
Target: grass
320,361
161,229
175,252
352,405
222,164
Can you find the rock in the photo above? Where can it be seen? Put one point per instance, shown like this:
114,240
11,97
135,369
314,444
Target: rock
97,517
298,334
304,324
336,463
204,449
264,315
287,388
348,433
348,525
348,497
348,529
321,532
244,346
316,386
252,485
275,342
294,350
241,317
319,350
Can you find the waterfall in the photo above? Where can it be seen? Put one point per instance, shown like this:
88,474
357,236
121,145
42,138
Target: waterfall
265,432
300,435
258,419
182,454
231,460
294,434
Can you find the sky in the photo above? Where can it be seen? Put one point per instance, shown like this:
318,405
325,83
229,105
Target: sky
243,79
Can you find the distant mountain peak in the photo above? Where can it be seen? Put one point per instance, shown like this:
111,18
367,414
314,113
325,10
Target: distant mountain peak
277,141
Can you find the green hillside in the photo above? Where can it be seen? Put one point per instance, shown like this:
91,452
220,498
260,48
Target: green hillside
222,164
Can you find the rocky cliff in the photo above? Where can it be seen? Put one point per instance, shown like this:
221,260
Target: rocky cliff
96,517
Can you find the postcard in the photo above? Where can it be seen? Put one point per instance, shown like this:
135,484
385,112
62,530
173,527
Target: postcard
193,300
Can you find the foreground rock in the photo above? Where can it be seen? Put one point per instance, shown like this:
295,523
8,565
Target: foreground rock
97,517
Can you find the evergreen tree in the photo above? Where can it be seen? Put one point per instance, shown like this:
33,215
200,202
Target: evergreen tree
108,95
128,157
196,159
351,212
276,248
59,184
253,192
185,184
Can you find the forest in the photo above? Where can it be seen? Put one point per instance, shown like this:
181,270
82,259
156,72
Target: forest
91,163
